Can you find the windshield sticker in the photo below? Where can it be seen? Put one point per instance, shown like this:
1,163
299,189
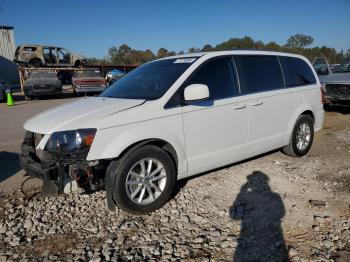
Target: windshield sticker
184,60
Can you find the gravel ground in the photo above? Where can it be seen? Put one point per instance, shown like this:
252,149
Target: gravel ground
270,208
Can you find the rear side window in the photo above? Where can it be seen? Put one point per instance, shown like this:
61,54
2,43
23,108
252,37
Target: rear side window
296,72
218,75
259,73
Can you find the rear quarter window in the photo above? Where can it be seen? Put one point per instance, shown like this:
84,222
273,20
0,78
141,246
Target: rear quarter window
259,73
296,72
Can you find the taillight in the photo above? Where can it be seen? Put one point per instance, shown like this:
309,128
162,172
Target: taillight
323,99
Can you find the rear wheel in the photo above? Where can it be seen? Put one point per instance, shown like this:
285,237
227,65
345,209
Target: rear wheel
301,138
144,180
35,63
77,63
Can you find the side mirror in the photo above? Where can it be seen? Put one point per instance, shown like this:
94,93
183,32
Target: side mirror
196,92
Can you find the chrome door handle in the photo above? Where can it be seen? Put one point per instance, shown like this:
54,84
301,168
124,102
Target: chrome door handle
257,103
239,106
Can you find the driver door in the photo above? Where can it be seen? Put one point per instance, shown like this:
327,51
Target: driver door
215,130
63,56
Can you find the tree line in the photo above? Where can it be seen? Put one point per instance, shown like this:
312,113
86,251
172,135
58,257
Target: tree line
298,44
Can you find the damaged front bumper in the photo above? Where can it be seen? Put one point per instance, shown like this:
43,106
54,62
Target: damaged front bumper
61,173
29,159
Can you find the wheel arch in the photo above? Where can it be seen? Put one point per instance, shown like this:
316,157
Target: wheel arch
309,113
303,109
35,59
166,146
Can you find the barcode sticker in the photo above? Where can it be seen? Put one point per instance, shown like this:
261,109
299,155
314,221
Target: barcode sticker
184,60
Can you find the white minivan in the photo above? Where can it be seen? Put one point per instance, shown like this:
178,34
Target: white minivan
173,118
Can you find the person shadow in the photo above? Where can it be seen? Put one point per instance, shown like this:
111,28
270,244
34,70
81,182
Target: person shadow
260,211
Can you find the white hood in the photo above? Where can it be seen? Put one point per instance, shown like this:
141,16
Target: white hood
84,113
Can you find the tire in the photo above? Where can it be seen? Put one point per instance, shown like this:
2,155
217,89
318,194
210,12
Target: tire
35,63
302,137
129,169
77,63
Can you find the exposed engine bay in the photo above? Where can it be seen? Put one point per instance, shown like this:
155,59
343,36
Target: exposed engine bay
62,170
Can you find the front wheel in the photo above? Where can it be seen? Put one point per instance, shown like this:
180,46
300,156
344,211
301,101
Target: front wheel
143,180
301,138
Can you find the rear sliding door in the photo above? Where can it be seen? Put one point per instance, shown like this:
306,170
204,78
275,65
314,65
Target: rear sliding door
269,103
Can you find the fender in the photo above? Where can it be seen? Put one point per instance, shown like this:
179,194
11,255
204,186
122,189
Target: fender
111,142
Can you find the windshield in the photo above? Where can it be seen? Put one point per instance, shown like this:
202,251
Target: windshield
90,73
149,81
42,74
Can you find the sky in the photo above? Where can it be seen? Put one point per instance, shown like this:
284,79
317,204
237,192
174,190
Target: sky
90,27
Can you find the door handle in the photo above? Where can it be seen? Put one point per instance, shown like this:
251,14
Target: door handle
239,106
257,103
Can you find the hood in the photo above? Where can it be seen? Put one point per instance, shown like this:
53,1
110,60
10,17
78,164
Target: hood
88,79
336,78
84,113
42,81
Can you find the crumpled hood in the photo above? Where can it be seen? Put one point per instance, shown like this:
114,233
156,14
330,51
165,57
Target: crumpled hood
84,113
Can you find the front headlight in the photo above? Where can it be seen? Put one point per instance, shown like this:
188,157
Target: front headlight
71,141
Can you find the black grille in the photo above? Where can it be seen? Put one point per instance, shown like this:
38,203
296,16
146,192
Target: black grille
338,89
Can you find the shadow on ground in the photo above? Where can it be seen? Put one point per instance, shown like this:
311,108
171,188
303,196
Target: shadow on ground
9,164
260,211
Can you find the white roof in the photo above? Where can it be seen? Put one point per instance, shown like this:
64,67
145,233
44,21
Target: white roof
233,52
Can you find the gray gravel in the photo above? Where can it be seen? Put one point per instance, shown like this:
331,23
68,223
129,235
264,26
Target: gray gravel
195,225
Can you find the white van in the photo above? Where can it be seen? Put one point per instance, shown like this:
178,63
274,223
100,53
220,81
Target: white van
176,117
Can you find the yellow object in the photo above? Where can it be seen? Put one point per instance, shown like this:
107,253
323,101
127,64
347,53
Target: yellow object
9,99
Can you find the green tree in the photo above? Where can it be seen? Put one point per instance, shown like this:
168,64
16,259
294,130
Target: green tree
299,41
162,52
121,55
259,45
236,43
207,48
273,46
125,55
296,44
194,50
